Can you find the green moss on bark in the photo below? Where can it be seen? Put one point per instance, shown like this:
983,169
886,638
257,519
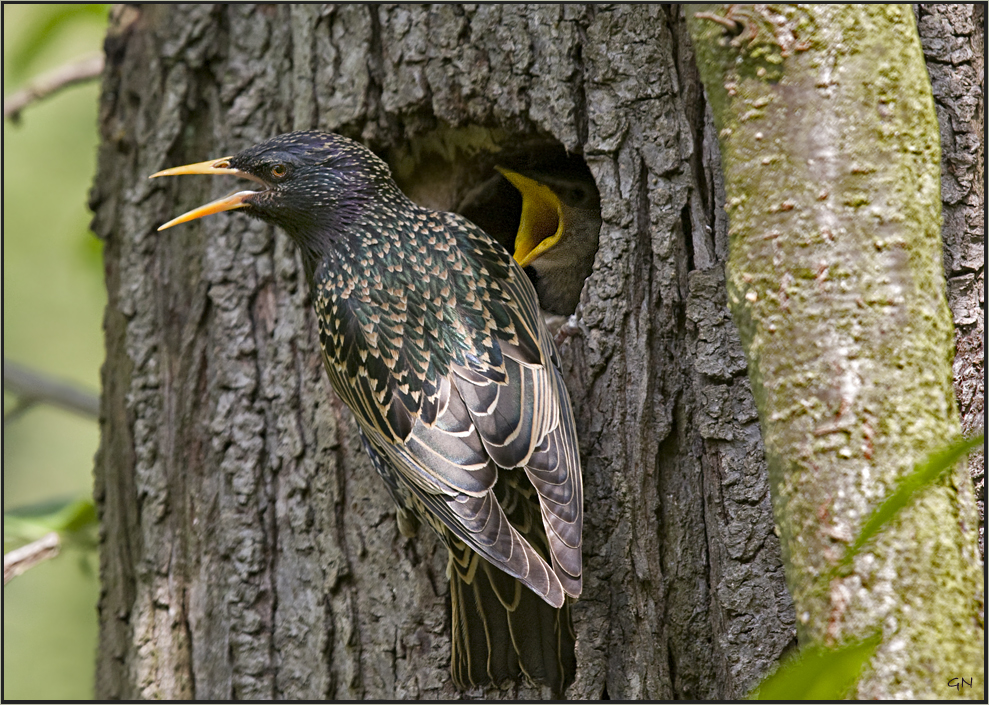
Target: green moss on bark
830,152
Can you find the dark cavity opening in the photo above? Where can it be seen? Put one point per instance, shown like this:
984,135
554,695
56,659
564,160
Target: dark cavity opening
453,169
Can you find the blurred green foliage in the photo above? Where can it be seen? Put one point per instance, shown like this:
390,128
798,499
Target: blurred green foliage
75,520
830,673
924,474
35,38
819,673
53,300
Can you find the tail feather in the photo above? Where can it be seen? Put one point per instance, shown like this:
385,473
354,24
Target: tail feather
501,629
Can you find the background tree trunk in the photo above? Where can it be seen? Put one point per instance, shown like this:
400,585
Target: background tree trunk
831,160
249,549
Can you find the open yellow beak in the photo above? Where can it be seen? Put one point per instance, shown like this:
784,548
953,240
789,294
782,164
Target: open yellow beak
213,166
541,224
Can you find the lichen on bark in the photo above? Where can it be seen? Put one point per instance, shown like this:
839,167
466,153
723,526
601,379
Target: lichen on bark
830,153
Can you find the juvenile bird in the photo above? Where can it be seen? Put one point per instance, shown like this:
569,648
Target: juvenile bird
431,335
557,235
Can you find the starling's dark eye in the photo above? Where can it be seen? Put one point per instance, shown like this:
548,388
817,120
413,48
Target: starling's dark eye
279,170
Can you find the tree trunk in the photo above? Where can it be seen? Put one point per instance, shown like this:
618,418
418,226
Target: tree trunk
831,159
249,549
953,37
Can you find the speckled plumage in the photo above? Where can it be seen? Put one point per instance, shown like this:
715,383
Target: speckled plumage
431,334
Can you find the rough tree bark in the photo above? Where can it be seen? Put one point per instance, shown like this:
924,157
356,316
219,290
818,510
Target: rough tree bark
953,38
248,548
831,160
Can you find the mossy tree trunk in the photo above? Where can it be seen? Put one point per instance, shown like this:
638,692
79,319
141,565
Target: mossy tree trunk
249,549
831,160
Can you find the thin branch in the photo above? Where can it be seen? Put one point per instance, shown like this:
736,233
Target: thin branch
32,386
78,71
26,557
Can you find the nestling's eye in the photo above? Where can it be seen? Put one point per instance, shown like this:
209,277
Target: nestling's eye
279,170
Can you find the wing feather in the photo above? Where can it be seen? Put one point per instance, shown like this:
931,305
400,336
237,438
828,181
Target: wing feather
458,396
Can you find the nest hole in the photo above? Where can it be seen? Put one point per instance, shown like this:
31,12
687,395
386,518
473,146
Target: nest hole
453,169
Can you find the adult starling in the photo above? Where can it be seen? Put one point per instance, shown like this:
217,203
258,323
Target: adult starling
557,235
431,334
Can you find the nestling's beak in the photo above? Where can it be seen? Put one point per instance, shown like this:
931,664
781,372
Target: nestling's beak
541,224
213,166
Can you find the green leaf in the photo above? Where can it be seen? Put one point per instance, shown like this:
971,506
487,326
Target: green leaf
90,249
36,38
923,475
72,518
819,673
